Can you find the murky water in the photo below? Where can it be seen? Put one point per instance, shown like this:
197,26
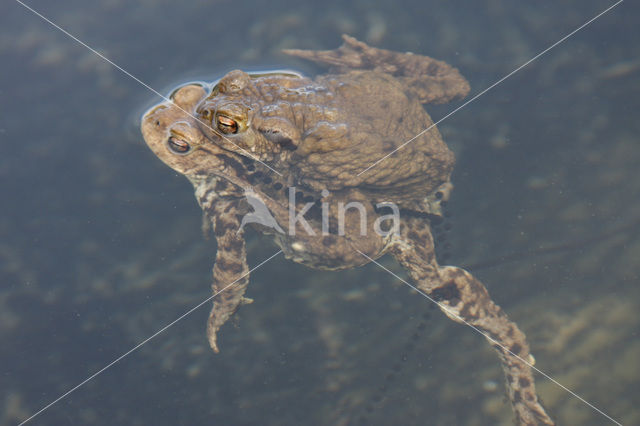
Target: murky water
100,243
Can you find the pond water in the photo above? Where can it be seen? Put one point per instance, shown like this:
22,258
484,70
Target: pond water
101,246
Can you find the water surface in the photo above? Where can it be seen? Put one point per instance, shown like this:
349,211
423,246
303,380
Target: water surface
100,243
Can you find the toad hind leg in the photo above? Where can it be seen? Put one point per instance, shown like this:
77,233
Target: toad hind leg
430,80
230,272
465,300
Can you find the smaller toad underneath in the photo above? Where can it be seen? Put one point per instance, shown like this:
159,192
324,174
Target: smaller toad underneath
303,149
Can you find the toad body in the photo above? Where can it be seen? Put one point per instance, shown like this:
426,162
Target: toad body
340,170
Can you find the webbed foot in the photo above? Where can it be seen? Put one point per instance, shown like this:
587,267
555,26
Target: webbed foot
430,80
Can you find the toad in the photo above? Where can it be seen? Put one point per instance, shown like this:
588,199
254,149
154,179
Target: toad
291,156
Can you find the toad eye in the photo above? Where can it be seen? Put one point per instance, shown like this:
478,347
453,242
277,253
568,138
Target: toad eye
227,125
178,145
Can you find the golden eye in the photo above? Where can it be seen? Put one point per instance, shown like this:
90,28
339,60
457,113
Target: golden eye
178,145
227,125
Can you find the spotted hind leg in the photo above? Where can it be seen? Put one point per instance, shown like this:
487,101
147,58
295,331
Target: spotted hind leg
465,300
430,80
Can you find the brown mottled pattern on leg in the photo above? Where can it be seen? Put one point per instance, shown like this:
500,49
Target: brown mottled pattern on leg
430,80
464,299
231,264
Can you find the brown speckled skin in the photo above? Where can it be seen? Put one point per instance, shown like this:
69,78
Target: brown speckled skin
319,134
322,133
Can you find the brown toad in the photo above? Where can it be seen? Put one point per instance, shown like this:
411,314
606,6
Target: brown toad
290,156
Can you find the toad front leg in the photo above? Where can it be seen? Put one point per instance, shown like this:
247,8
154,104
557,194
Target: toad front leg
230,272
465,300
